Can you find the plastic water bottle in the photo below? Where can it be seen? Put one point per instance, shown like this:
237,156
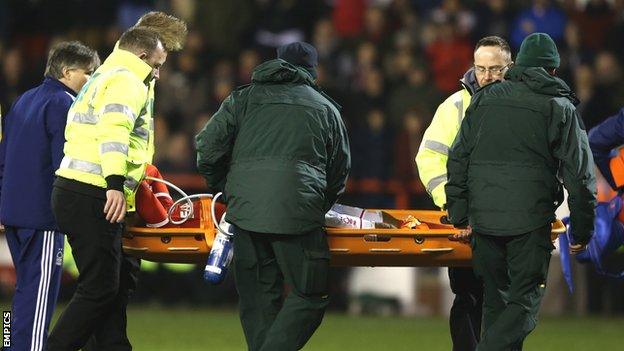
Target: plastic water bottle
219,258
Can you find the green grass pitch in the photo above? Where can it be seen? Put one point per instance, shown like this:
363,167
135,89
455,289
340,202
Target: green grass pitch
185,329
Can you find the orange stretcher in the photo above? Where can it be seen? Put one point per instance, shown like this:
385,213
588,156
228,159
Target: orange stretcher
425,245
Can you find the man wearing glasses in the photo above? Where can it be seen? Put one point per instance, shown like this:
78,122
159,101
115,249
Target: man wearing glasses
519,136
492,58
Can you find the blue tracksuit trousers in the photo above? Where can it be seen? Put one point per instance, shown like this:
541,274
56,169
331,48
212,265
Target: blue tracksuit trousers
38,259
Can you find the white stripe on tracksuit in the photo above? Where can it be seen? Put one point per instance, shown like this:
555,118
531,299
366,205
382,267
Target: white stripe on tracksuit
41,308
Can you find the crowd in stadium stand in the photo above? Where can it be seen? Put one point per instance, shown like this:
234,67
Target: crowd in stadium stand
389,63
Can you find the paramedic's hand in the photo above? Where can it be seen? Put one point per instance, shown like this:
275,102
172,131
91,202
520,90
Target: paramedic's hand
576,248
463,236
115,207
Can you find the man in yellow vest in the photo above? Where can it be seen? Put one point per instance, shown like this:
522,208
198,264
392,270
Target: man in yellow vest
172,32
492,58
109,132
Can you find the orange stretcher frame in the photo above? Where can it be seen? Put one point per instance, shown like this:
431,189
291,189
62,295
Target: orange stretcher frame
426,246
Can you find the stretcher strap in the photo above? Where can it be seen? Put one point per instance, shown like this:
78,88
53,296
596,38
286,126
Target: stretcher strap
362,217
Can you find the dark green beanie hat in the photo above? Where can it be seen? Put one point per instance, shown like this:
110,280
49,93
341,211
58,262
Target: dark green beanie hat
538,50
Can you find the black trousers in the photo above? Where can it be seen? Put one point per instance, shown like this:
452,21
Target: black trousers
467,309
262,262
98,308
111,335
514,271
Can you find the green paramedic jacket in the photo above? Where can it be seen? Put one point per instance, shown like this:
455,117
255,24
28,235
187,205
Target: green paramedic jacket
278,149
517,137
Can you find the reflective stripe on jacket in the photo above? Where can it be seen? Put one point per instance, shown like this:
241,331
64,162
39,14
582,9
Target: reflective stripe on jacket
110,127
437,140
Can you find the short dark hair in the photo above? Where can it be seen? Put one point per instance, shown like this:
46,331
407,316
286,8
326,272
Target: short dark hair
139,39
494,41
72,54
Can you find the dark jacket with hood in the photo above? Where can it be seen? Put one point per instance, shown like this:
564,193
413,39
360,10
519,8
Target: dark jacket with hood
279,150
518,136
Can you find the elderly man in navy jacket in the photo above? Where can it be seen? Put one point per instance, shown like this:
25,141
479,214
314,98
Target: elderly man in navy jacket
30,151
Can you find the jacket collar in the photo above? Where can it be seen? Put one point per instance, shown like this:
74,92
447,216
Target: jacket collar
280,71
539,81
469,81
55,83
130,61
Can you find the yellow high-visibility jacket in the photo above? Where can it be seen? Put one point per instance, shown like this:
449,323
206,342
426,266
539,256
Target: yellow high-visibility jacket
110,130
149,110
437,140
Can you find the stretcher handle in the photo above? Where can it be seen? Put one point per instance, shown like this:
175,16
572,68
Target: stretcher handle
437,250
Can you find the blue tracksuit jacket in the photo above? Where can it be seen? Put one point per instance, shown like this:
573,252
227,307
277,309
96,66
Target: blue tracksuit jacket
30,151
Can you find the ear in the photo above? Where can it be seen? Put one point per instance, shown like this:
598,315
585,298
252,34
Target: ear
143,55
66,72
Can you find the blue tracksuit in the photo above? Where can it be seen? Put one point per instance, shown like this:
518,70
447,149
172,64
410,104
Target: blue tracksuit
31,150
605,137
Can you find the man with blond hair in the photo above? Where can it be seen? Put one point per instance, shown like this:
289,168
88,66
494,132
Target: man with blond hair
172,33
